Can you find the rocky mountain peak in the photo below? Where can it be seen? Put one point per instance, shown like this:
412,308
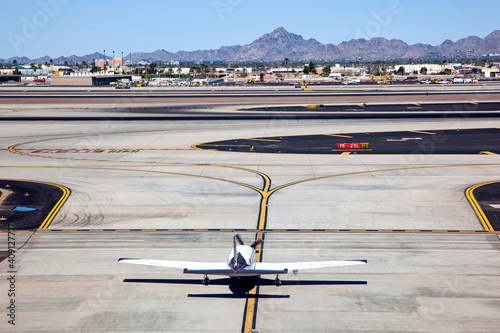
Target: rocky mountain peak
280,44
494,36
447,42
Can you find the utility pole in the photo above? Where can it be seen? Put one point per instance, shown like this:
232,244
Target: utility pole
104,65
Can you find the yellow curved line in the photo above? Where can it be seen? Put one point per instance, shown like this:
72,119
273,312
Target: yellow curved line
135,170
57,206
13,150
367,171
469,194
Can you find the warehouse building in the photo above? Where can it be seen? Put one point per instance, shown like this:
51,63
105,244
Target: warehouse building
10,78
99,80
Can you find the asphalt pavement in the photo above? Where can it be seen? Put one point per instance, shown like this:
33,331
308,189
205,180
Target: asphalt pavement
459,142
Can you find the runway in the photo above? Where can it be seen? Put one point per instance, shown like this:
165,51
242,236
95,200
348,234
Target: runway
102,112
140,189
248,95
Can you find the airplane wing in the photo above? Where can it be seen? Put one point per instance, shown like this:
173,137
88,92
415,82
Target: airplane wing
186,265
221,268
306,265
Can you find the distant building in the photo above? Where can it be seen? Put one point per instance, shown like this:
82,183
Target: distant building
110,63
99,63
285,70
28,70
490,72
431,68
117,62
96,80
10,78
173,63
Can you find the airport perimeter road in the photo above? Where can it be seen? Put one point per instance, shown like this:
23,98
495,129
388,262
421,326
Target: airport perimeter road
130,178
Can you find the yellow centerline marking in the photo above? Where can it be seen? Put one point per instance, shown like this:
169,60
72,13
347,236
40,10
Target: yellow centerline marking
265,231
340,135
487,152
417,104
346,153
422,132
469,193
251,296
261,139
221,145
125,150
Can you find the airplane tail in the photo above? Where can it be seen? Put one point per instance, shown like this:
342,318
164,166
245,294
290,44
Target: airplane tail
235,253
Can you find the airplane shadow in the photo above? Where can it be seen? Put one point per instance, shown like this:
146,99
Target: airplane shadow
241,286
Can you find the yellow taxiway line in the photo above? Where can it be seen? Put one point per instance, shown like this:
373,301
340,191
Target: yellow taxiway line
267,231
340,135
422,132
66,192
469,193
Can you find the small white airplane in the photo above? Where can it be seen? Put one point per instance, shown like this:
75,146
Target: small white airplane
240,263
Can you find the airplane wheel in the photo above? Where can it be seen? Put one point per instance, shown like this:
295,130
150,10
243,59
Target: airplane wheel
277,281
206,281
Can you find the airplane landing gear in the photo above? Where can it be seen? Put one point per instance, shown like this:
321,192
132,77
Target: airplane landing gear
206,280
277,281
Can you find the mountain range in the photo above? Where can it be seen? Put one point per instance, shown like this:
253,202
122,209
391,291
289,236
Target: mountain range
281,44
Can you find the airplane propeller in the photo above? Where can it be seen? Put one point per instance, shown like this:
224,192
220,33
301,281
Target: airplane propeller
257,242
238,238
240,241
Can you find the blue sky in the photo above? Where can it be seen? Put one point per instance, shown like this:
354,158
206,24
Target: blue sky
35,28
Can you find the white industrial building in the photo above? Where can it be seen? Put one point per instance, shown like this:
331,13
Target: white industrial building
490,72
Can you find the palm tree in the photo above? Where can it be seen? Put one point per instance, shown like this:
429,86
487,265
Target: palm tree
286,63
14,62
312,68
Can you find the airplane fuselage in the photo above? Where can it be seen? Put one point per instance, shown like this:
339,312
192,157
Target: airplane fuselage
244,263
